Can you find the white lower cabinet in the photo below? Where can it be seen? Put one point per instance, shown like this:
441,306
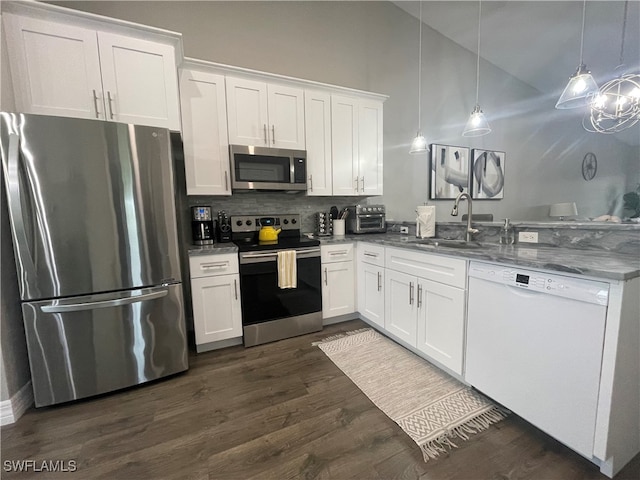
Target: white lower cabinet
371,282
338,280
400,315
441,314
215,292
426,304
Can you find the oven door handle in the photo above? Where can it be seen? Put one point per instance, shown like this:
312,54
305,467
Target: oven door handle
272,255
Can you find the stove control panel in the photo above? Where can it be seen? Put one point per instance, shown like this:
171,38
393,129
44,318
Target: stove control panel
253,223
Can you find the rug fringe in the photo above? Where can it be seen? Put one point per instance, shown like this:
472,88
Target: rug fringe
444,443
341,335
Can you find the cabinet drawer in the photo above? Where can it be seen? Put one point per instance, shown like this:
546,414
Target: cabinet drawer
447,270
211,265
371,253
342,252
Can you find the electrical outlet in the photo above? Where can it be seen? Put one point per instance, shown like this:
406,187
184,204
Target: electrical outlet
528,237
404,230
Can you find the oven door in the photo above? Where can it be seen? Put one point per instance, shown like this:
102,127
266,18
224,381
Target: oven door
262,299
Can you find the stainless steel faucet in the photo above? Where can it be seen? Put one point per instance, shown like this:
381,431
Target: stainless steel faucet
454,213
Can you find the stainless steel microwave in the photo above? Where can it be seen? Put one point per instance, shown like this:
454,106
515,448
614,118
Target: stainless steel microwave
264,168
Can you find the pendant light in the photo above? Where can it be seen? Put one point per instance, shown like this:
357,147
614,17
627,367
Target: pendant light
419,144
617,105
581,86
477,124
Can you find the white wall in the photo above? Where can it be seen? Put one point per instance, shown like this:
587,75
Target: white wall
374,46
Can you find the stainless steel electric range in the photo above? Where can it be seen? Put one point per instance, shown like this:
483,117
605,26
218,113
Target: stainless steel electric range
270,313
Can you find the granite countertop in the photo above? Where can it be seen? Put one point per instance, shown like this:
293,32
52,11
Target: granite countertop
593,263
215,249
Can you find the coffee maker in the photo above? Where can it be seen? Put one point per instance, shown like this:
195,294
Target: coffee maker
202,225
223,228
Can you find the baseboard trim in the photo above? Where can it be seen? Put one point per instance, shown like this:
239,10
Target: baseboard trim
11,410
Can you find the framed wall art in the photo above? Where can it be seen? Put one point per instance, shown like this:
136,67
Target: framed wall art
449,171
487,174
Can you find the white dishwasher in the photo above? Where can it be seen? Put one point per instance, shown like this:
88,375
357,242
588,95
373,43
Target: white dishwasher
534,344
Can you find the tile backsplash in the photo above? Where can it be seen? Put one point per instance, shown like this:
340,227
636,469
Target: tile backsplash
266,203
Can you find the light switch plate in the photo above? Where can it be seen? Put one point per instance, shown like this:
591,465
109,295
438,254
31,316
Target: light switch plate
528,237
404,230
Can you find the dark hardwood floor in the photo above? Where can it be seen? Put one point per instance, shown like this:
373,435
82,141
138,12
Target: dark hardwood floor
281,410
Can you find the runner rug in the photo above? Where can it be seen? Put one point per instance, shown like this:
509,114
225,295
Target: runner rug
433,408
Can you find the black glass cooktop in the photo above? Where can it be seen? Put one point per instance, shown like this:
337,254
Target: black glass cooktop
251,244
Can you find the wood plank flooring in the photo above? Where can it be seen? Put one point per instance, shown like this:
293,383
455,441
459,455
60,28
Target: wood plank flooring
275,411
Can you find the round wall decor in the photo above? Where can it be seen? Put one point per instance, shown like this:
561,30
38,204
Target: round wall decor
589,166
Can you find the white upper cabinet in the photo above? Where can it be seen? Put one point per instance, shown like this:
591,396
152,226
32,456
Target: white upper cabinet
45,83
204,127
67,68
265,114
344,148
370,147
317,115
139,79
356,146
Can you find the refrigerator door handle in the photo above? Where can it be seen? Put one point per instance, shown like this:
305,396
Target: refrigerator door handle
15,207
77,307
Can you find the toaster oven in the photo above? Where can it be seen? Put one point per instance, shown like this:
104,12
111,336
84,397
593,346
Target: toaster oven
366,219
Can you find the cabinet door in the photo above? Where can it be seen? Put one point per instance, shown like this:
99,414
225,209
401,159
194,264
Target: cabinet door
285,106
140,81
338,289
344,145
317,116
371,293
441,323
400,311
370,147
204,129
247,112
216,308
55,68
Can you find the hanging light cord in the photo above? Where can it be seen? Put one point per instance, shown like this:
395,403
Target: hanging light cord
584,16
478,59
624,28
420,69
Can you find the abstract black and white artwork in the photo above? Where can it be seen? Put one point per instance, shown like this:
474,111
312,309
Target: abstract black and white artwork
449,171
487,174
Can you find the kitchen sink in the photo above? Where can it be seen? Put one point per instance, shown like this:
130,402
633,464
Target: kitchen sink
447,243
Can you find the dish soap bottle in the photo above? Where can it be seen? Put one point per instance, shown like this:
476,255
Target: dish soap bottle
506,233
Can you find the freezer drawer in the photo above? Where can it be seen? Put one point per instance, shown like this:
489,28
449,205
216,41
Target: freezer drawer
84,346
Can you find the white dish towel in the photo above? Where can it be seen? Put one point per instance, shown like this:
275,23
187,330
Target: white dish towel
287,269
426,221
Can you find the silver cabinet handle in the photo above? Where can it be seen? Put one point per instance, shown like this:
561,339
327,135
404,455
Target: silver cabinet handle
379,283
311,182
362,187
338,252
410,293
357,184
235,287
110,99
77,307
206,266
326,281
419,295
273,134
367,254
226,181
264,127
95,103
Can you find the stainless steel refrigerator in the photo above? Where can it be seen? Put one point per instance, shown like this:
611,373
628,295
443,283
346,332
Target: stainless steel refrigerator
92,213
